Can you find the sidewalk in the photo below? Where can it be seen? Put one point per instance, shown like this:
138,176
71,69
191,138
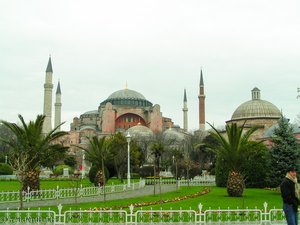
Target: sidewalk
147,190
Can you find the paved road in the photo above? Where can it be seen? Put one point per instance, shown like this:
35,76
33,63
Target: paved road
147,190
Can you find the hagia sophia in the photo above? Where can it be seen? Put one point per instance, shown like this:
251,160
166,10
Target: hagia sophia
129,111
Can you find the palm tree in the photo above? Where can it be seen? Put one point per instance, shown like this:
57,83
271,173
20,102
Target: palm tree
233,149
96,153
30,148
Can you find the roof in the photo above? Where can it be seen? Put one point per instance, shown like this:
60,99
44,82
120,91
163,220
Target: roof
256,108
49,66
201,78
184,96
126,94
127,97
140,130
173,135
58,91
88,127
91,112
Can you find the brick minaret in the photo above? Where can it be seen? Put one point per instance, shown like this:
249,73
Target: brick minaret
48,86
57,115
201,104
185,114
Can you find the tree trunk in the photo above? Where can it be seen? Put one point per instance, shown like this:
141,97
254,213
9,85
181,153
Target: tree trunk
154,181
21,178
31,180
235,184
103,180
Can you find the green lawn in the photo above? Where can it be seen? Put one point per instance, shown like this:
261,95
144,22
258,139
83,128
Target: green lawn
217,197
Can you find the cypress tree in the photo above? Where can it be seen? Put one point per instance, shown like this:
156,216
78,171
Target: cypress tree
284,152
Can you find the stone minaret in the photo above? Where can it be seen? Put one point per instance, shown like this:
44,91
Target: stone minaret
48,86
185,114
57,115
201,104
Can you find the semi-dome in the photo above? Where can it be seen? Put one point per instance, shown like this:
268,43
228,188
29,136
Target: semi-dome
256,108
127,97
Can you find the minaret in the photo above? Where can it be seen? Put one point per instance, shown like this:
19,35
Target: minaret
185,110
201,104
57,115
48,86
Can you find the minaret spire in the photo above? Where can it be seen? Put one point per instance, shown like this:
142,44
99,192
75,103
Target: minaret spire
185,110
57,115
201,103
48,86
49,66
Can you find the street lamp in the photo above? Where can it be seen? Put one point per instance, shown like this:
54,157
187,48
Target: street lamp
6,159
128,137
176,171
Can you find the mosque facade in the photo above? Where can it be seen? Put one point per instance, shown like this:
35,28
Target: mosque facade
127,110
122,110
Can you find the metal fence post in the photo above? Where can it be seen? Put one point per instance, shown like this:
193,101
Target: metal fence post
131,207
57,192
59,216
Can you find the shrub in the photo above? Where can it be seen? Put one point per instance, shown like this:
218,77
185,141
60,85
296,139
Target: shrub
5,169
146,171
134,176
93,172
59,169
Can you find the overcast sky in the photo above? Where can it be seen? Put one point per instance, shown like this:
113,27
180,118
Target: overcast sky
157,47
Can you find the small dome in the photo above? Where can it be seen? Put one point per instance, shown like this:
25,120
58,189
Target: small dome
140,131
91,112
172,134
127,97
256,108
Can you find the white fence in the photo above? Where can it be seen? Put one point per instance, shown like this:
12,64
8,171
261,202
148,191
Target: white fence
148,216
13,196
207,180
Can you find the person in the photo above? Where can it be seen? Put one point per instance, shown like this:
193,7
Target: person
290,195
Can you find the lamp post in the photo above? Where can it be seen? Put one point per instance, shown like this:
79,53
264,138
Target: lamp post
6,159
128,137
176,171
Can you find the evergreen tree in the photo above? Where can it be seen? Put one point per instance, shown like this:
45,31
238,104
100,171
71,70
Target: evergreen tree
284,152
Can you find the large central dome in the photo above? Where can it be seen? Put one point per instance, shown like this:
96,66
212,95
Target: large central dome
256,108
127,97
126,94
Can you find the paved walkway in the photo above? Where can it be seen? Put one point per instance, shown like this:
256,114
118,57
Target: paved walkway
147,190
